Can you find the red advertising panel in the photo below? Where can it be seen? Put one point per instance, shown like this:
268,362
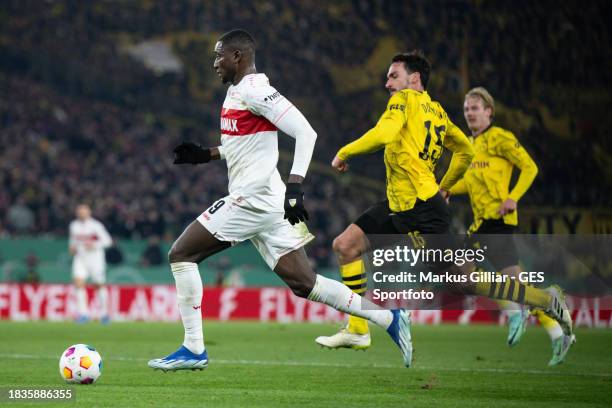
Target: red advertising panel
158,303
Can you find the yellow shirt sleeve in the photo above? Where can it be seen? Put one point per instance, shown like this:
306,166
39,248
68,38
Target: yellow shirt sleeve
460,187
509,148
457,142
386,130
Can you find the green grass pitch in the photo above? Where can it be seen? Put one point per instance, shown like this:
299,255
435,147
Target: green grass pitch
278,365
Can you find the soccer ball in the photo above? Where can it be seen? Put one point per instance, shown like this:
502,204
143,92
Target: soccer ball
80,364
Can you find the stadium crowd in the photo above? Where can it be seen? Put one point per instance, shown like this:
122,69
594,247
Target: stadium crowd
82,120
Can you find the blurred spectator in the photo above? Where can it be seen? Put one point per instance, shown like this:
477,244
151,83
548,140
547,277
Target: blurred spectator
114,255
31,275
219,278
153,254
221,266
235,277
20,217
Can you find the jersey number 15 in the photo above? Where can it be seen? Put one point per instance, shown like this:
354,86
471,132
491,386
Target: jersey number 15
435,154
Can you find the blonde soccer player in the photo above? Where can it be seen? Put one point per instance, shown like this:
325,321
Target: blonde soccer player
495,207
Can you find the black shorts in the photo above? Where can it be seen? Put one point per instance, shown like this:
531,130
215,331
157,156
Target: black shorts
496,237
427,217
430,218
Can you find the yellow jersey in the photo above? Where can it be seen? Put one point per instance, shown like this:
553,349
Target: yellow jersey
487,180
412,130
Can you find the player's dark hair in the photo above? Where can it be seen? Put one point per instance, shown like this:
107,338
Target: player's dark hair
415,61
239,40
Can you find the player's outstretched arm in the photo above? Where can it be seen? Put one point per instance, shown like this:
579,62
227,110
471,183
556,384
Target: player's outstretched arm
191,153
386,131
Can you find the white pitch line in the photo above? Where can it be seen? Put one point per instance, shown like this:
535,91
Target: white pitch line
341,365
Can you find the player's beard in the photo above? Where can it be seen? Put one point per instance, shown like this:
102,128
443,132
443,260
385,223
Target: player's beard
228,78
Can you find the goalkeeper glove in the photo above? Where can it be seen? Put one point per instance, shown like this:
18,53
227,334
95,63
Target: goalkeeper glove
191,153
294,204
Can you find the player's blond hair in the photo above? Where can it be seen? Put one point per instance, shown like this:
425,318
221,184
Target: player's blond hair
485,97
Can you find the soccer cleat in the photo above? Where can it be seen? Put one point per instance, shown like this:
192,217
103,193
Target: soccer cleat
182,359
517,325
558,309
561,346
345,339
399,330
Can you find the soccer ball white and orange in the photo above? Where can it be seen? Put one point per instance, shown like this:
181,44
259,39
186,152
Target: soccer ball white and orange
80,364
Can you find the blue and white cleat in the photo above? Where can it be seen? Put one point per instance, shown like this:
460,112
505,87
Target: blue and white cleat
517,325
561,346
399,330
181,359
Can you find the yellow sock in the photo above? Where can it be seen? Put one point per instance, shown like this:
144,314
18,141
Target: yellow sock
551,326
354,276
514,291
507,305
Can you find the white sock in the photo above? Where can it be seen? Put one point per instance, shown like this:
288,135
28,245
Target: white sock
81,297
340,297
189,296
554,331
103,299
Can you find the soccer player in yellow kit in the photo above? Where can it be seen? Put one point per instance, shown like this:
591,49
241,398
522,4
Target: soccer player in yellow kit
412,130
497,153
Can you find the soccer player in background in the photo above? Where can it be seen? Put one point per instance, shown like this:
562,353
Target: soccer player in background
494,206
259,206
412,131
87,242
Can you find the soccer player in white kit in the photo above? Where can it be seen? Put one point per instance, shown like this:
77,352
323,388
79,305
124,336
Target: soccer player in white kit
88,239
259,207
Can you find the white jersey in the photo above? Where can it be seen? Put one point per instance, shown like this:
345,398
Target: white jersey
89,238
251,113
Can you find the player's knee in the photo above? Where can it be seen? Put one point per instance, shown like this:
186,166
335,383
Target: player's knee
177,254
171,254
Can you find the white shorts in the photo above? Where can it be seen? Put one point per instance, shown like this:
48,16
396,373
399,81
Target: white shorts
233,220
83,269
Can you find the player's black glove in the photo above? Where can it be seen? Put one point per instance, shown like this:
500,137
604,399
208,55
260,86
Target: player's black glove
191,153
294,204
